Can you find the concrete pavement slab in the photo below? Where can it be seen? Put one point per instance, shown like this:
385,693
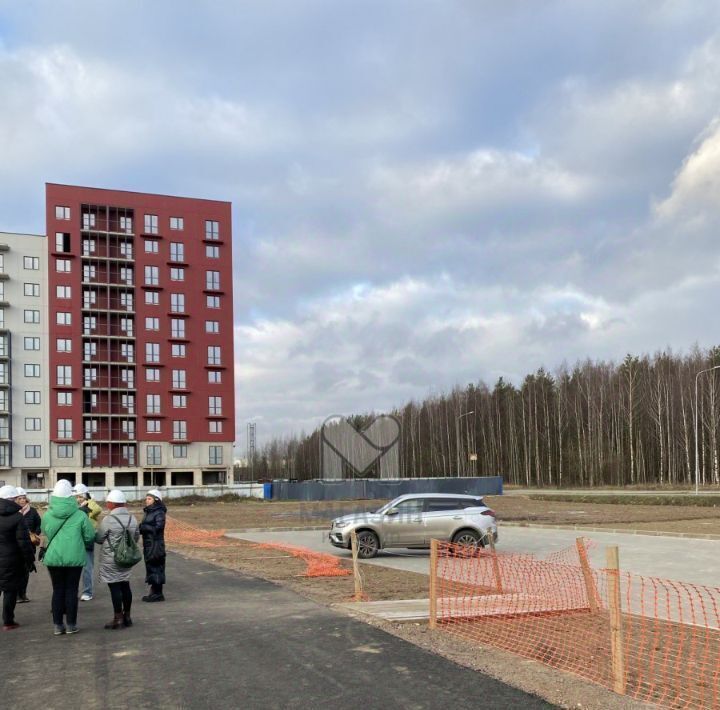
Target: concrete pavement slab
224,640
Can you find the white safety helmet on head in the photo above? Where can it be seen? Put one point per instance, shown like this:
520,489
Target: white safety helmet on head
21,491
116,496
63,489
9,492
155,493
80,489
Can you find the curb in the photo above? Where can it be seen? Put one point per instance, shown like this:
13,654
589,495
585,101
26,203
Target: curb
618,531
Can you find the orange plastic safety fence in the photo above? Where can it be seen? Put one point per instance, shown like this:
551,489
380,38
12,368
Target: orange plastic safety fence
559,613
318,564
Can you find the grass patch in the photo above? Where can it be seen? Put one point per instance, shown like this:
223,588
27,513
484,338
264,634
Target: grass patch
619,499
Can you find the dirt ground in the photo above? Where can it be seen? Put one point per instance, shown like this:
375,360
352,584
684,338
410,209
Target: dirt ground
252,513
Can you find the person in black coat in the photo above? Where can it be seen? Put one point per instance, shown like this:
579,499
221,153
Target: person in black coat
152,529
33,521
17,554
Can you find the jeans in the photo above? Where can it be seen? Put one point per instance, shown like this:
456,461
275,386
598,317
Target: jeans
121,597
87,575
8,612
65,583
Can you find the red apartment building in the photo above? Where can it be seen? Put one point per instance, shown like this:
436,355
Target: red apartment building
141,377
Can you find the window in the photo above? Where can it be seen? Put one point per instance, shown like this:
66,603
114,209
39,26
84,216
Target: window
152,403
212,326
32,451
212,280
31,263
89,376
177,303
126,325
215,428
31,397
126,275
2,317
126,225
90,454
128,427
91,402
179,451
154,457
215,455
91,427
151,224
177,223
63,375
89,350
89,298
128,453
152,352
31,343
63,292
88,219
212,301
63,345
213,355
212,252
31,371
152,374
179,429
5,370
152,298
178,379
152,276
62,241
177,327
212,229
178,350
88,247
152,324
177,251
31,316
65,451
177,274
179,401
215,377
2,263
62,212
128,403
31,289
126,250
62,318
64,399
5,401
151,246
64,428
126,301
214,405
127,351
89,325
62,266
4,342
152,426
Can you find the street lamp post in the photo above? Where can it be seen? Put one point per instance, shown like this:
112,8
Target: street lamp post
697,409
457,437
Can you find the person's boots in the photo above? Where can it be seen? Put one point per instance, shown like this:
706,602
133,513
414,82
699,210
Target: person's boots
127,621
116,623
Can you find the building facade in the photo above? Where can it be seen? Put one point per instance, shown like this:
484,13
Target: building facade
24,340
141,362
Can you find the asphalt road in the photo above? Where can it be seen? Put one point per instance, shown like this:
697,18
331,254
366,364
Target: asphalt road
223,640
687,560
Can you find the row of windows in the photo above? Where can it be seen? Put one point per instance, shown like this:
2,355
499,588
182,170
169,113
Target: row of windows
152,277
153,453
179,401
152,351
212,230
177,250
63,376
153,426
177,325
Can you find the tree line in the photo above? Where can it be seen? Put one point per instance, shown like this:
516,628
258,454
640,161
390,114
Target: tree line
597,423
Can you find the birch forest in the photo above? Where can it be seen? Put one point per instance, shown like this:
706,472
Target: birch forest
597,424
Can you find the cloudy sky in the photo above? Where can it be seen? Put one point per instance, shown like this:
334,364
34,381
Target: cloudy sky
425,192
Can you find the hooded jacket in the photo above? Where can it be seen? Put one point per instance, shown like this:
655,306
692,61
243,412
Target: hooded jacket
152,528
69,531
16,551
109,533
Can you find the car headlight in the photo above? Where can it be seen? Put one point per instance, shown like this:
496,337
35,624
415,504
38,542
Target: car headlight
340,525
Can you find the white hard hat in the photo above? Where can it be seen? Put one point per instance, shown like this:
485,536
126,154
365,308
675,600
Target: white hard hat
155,493
80,489
63,489
9,492
21,491
116,496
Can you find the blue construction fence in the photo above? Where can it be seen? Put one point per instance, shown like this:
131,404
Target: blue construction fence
379,489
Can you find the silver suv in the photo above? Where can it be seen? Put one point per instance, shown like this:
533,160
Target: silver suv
413,520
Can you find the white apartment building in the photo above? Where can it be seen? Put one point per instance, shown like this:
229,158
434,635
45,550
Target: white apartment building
24,334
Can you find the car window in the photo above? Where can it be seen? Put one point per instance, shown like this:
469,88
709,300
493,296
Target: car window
473,503
439,504
411,506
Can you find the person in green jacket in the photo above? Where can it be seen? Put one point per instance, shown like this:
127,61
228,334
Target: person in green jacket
68,531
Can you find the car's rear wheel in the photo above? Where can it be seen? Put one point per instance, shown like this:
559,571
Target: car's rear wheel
469,540
368,544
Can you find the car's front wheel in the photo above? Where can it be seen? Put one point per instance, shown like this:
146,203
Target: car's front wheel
368,544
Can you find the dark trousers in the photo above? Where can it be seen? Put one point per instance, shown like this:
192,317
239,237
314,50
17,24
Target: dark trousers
23,585
9,601
121,597
156,588
65,583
